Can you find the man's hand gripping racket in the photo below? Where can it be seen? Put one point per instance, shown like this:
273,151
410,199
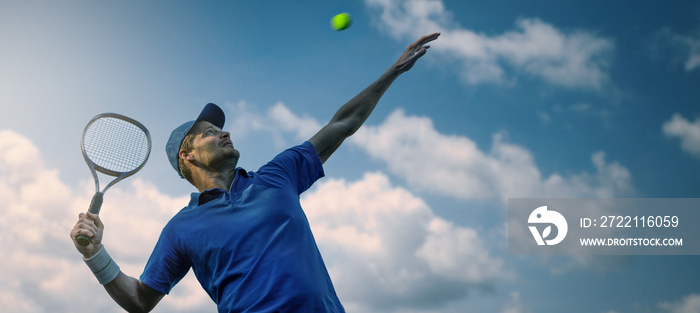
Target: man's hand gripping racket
114,145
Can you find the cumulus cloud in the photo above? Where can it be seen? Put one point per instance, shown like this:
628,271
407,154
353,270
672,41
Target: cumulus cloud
277,121
693,59
458,168
41,270
688,132
303,127
452,165
386,249
574,59
689,304
515,304
686,48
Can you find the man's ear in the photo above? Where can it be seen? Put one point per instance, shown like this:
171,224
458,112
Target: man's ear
187,156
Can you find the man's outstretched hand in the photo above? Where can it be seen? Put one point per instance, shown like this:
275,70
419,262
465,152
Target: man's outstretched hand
413,53
348,119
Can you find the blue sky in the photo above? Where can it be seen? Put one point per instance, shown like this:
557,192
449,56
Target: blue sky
515,99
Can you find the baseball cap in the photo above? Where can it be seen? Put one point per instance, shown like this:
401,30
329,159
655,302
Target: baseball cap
211,113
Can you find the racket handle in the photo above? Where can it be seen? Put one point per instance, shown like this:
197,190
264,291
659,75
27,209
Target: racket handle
96,203
95,206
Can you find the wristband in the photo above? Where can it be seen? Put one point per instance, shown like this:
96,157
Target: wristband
102,265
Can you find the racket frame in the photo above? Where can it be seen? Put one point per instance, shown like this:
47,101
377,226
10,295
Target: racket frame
96,202
94,168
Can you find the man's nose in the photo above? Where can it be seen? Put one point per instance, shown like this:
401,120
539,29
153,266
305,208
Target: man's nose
225,134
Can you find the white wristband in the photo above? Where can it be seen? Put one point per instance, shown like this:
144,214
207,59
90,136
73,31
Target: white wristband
102,265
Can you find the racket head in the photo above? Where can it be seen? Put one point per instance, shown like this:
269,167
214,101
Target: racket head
115,145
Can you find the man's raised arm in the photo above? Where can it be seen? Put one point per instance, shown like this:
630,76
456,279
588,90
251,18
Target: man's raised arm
348,119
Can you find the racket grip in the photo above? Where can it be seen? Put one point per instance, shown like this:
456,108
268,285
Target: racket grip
95,206
96,203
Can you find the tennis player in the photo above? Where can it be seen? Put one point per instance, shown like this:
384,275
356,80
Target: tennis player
244,234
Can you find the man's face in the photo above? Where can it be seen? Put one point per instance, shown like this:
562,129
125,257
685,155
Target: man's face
213,147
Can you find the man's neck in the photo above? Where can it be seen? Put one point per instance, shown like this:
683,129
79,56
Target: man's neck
221,180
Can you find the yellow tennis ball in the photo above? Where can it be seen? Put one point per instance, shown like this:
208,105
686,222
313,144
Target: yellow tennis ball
341,21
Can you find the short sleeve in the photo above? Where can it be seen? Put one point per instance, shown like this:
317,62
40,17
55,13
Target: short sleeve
166,266
299,166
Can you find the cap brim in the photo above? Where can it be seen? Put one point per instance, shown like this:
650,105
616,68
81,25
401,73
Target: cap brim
212,113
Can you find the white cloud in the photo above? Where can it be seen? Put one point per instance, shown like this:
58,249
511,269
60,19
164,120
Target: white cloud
689,133
385,249
689,304
303,127
693,60
687,47
277,121
42,271
570,59
515,304
454,166
244,119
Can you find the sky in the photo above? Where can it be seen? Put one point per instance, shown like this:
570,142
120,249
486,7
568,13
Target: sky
542,98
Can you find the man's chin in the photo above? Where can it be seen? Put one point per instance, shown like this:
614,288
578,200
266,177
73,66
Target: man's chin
233,157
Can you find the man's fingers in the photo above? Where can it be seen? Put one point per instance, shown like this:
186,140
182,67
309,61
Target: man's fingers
87,221
413,52
415,55
427,38
88,226
420,43
420,52
95,218
82,231
75,233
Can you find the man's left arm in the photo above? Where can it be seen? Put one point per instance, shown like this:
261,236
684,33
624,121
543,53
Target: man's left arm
348,119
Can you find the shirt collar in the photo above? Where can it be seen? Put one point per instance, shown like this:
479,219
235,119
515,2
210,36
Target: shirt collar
211,194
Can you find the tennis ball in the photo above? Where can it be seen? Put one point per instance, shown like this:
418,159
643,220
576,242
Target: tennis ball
341,21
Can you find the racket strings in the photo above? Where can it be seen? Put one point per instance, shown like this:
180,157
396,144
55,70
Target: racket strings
115,144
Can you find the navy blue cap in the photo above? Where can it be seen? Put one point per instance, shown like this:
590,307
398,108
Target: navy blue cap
211,113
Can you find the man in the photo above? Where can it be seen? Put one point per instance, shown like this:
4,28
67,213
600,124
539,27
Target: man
244,234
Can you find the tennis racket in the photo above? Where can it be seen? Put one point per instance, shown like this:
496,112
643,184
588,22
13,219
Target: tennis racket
114,145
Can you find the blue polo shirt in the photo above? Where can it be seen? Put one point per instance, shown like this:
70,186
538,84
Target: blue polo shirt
251,248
